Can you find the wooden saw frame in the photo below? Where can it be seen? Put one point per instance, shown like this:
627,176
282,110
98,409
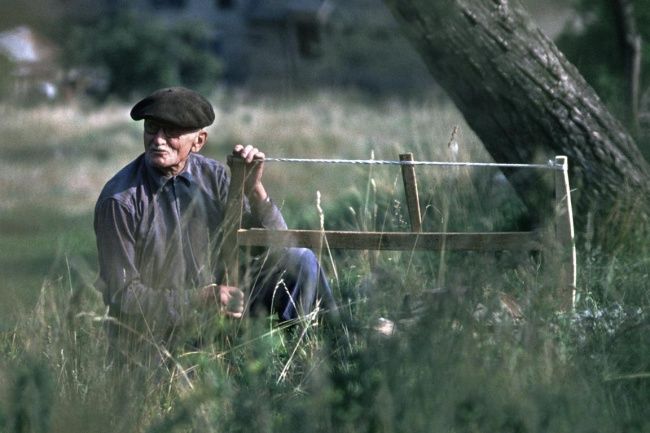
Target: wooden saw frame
414,240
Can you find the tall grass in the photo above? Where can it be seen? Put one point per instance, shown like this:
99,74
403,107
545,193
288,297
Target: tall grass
459,360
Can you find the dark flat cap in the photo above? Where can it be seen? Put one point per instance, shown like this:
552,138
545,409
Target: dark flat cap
175,105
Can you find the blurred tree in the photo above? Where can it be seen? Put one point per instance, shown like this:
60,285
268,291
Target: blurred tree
140,56
527,103
605,42
550,15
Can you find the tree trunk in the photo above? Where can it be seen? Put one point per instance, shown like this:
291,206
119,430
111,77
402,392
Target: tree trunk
526,102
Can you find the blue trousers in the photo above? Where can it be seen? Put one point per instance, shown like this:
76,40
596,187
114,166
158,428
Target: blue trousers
289,282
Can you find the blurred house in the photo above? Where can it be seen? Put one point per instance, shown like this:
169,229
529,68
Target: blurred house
33,70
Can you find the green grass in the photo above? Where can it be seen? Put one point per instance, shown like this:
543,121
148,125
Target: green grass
37,244
457,363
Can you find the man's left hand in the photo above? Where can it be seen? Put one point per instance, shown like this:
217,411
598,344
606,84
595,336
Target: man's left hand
229,300
254,158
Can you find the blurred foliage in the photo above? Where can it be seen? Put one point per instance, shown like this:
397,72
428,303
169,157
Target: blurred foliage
143,55
591,42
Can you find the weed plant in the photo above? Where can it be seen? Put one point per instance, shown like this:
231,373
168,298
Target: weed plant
477,344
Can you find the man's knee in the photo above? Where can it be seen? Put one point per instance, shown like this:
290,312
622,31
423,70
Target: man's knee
301,258
294,284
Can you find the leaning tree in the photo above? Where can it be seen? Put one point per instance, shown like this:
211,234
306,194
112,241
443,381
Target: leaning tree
527,102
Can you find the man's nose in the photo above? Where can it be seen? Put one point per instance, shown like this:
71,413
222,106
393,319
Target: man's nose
160,136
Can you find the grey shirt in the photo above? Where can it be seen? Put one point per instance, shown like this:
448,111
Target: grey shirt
158,237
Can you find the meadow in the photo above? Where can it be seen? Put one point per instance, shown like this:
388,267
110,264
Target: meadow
461,357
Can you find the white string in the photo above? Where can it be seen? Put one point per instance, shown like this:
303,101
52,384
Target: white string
550,165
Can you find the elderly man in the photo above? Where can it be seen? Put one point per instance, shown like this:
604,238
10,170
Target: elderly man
159,223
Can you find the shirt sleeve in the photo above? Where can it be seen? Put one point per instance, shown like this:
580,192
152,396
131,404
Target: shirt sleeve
120,281
263,215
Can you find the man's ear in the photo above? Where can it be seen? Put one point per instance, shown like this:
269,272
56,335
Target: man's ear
199,141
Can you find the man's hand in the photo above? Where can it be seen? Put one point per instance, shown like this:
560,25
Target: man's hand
253,187
228,299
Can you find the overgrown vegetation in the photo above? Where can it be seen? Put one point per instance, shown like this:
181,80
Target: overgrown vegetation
460,359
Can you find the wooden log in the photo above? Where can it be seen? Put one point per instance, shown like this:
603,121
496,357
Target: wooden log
497,241
232,220
411,192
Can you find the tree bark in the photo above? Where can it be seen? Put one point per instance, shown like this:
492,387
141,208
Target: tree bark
526,102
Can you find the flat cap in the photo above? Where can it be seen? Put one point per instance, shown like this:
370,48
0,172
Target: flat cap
177,106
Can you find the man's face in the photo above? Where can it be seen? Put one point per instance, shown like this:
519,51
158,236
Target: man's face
167,147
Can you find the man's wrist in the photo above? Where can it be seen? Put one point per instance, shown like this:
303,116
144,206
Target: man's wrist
259,199
260,207
258,194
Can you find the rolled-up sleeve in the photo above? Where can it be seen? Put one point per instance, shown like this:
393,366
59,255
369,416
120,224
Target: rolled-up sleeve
265,215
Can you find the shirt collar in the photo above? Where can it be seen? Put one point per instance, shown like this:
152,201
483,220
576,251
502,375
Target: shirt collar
158,180
186,174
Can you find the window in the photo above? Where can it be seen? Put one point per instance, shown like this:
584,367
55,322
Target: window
225,4
308,35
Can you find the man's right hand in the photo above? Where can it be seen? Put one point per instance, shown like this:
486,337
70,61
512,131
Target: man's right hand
228,299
